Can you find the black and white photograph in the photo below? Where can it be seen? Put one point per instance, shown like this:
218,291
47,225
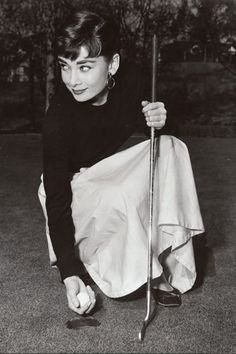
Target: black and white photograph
117,176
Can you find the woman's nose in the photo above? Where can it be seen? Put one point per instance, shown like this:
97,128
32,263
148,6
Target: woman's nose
74,78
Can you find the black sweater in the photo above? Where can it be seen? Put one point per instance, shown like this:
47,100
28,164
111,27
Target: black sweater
78,135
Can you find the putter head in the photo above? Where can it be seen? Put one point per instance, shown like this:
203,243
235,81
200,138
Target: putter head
149,317
142,331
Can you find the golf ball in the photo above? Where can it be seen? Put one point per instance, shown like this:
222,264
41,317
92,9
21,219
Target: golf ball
83,298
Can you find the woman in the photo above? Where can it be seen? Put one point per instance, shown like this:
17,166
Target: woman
95,200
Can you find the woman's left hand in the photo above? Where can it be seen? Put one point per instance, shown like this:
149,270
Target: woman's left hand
155,114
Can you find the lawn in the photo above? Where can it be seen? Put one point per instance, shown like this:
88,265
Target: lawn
33,303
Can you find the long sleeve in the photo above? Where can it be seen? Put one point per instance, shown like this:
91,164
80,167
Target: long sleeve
58,190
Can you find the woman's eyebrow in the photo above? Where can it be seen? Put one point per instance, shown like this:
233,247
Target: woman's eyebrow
84,61
79,62
62,60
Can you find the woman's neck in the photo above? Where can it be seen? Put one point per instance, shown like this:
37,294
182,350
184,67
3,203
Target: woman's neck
101,98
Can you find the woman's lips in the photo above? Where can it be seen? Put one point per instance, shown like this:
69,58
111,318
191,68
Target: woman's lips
79,92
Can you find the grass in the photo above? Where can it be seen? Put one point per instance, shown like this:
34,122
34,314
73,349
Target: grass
33,303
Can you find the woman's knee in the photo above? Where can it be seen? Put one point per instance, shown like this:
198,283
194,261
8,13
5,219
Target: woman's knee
171,143
110,192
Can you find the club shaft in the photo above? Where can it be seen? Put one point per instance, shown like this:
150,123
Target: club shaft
149,313
151,171
154,68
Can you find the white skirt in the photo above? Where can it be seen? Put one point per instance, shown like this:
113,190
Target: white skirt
110,210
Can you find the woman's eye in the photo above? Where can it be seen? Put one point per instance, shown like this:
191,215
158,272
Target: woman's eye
64,67
85,68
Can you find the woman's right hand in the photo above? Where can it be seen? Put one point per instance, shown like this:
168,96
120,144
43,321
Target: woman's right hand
74,285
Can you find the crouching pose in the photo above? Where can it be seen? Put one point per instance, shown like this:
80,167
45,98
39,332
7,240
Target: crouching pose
94,194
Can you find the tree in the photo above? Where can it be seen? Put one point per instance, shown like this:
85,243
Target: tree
182,25
16,23
209,23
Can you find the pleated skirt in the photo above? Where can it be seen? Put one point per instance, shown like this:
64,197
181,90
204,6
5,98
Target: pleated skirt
110,210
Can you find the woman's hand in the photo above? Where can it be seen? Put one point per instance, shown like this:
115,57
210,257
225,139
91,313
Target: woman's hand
155,114
74,285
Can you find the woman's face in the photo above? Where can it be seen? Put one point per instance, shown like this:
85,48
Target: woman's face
86,78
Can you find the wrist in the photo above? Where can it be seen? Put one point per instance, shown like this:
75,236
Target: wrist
70,279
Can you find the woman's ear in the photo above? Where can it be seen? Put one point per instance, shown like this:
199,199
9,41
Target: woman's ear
114,64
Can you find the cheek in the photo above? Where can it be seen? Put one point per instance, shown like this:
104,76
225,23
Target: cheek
64,77
99,79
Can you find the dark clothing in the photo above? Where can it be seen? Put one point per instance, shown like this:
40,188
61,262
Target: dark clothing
78,135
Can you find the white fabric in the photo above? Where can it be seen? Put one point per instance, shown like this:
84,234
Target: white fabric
110,212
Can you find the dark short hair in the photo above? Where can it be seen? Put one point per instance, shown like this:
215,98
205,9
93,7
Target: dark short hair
98,34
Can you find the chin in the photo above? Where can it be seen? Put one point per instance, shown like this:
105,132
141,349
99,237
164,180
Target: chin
79,98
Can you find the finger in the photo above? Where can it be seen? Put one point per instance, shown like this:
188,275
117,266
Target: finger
90,291
155,112
144,103
157,125
80,310
85,308
92,299
76,309
91,306
155,115
73,299
153,105
156,118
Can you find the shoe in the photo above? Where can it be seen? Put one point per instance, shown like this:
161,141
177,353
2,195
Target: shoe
166,298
